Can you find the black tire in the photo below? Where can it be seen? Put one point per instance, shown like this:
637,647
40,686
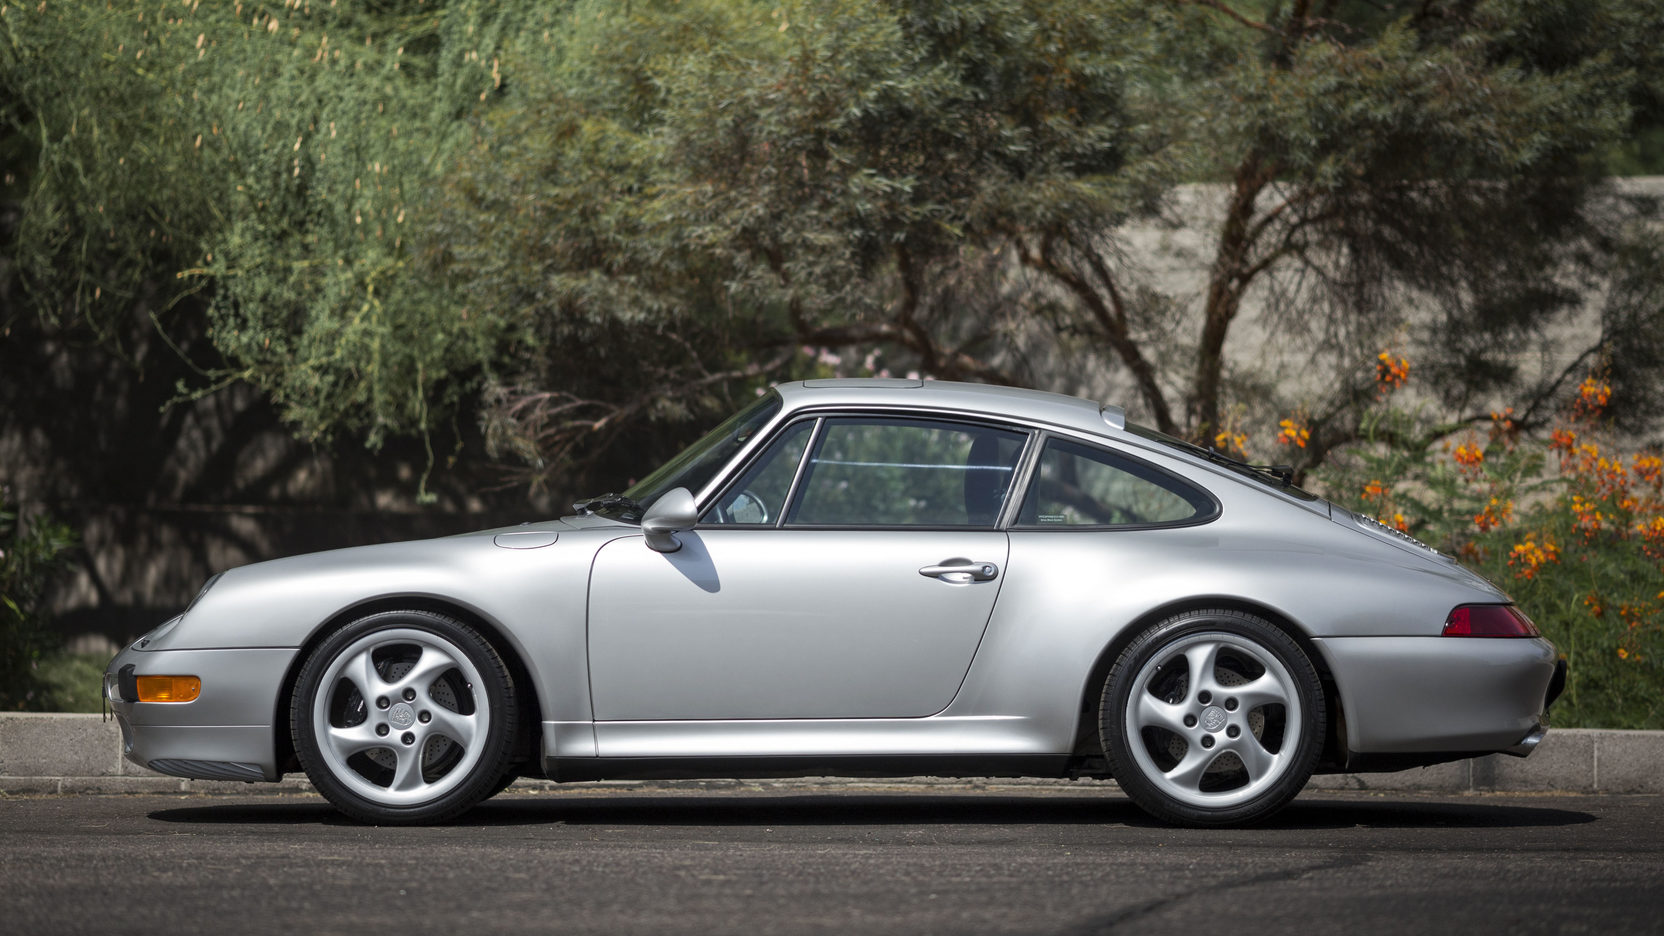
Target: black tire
404,717
1167,721
503,783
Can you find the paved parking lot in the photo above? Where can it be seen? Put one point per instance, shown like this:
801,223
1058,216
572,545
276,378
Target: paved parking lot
763,860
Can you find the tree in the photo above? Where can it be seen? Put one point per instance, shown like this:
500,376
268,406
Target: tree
588,217
953,184
252,174
725,183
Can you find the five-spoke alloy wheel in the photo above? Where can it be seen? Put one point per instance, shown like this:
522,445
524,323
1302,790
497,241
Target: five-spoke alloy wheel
1211,718
404,717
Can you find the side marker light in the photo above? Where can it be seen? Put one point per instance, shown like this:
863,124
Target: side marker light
169,688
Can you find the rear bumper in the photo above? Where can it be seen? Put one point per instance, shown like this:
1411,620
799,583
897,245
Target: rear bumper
1440,697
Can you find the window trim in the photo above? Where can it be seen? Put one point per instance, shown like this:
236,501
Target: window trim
902,417
738,474
1199,519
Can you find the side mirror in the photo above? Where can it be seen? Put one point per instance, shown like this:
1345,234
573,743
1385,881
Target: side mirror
674,512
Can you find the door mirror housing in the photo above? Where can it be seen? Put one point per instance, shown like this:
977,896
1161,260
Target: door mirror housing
674,512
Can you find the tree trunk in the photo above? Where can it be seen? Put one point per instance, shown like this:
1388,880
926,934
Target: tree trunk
1231,271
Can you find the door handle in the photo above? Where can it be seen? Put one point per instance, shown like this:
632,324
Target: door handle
961,571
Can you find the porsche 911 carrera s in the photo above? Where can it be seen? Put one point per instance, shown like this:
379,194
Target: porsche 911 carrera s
866,577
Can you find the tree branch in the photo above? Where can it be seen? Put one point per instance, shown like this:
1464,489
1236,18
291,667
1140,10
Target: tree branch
1222,8
1112,327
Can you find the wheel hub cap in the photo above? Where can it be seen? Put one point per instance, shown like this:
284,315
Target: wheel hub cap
1213,718
402,716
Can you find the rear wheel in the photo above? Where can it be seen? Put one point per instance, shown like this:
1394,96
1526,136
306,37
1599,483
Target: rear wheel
404,717
1212,718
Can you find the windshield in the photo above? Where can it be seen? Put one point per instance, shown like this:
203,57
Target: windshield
1261,473
699,462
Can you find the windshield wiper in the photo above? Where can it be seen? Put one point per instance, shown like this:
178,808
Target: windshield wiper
606,502
1283,473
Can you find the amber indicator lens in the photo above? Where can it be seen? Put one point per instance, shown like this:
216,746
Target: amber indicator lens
169,688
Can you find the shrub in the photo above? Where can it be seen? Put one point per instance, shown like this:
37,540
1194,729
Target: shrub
30,552
1571,528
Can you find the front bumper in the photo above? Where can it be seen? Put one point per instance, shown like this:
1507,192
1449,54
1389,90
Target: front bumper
226,733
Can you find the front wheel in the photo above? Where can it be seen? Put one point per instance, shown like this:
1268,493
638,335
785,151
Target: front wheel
1212,718
404,717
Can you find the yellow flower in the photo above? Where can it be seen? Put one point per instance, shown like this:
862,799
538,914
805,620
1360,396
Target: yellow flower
1232,443
1293,433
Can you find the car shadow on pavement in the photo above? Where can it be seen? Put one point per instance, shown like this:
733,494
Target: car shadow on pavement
838,809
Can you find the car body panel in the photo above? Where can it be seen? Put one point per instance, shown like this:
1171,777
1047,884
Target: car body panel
1415,694
767,623
822,737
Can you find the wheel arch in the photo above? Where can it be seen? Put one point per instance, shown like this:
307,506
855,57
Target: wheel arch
1087,744
512,655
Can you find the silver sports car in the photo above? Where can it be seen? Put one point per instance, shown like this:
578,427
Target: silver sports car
859,578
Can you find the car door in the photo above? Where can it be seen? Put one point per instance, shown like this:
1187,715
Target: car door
848,572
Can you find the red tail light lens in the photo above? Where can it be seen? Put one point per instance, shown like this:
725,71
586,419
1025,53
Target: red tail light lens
1489,621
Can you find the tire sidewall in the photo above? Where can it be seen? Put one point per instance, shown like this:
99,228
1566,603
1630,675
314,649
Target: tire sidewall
496,687
1118,693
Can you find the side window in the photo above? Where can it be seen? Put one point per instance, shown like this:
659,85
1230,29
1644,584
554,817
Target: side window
759,496
906,472
1078,485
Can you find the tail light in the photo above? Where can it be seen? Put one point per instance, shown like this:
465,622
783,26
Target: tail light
1489,621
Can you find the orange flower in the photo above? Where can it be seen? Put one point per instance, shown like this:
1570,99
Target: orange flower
1623,654
1495,514
1390,373
1398,523
1592,396
1293,433
1529,556
1592,602
1652,538
1469,457
1649,468
1374,490
1589,517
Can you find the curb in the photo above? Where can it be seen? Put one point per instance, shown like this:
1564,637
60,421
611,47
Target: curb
52,754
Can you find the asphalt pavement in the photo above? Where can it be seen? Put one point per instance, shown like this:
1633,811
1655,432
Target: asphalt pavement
765,860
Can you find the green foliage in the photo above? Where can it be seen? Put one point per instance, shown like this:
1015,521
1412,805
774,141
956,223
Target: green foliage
30,552
70,682
273,158
568,219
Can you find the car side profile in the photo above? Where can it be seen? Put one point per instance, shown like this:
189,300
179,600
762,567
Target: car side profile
866,577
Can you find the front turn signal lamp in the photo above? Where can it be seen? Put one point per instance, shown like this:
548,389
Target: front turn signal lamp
168,688
1489,621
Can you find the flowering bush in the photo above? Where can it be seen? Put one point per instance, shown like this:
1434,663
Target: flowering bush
1572,528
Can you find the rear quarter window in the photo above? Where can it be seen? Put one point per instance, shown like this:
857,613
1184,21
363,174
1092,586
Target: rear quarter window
1079,485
